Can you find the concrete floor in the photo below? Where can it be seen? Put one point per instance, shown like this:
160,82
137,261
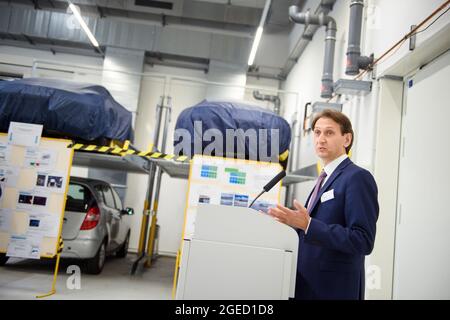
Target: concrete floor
24,279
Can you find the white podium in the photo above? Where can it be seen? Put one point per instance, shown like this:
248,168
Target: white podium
237,253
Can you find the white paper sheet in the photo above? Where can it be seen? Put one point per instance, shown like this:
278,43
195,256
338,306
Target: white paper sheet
5,152
25,246
24,200
5,220
33,200
51,181
40,158
9,176
44,224
24,134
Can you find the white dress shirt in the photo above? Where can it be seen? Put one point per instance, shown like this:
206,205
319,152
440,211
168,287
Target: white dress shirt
329,169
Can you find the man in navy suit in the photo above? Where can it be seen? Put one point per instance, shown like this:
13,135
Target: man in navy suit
337,228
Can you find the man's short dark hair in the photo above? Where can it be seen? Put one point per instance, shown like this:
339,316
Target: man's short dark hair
341,119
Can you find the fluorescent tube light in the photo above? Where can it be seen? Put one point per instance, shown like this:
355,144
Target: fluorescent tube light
259,31
255,45
83,24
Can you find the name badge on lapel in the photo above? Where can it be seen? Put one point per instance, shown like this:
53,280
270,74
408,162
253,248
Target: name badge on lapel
326,196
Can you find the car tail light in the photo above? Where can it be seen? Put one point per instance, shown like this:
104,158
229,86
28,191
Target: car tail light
92,218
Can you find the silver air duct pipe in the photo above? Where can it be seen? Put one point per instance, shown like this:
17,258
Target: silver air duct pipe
321,19
355,61
265,97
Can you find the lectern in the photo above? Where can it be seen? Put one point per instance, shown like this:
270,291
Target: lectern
237,253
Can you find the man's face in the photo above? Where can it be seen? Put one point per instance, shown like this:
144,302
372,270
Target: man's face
329,142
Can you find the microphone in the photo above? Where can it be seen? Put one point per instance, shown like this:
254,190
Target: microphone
270,185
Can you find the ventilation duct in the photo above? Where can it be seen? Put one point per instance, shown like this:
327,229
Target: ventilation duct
264,97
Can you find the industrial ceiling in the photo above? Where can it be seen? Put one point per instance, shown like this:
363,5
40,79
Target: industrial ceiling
190,32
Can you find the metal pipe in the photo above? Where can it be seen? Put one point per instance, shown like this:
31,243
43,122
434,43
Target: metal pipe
151,241
307,18
298,142
355,61
328,63
149,195
153,167
293,150
324,7
330,40
272,98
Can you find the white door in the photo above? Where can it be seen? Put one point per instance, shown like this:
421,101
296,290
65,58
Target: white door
422,250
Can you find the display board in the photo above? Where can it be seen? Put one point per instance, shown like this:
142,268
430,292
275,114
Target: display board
228,182
33,182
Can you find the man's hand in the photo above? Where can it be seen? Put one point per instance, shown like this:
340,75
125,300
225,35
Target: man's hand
295,218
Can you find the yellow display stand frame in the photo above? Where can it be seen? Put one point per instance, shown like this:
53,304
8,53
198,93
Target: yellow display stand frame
51,247
232,161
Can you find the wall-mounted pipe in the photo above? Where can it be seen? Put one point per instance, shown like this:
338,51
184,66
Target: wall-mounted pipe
325,6
328,62
330,41
266,97
355,61
293,154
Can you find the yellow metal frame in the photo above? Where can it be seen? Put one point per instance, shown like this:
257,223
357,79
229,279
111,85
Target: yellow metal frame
151,237
60,244
179,252
143,223
122,151
55,274
177,262
284,155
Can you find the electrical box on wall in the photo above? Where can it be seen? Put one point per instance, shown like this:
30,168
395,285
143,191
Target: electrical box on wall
320,106
352,87
317,107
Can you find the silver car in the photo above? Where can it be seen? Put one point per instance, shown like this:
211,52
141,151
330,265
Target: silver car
95,223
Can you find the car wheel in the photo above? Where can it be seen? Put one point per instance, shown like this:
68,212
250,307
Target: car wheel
122,253
3,259
96,264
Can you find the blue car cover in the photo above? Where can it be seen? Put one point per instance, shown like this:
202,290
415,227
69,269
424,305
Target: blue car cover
76,110
223,115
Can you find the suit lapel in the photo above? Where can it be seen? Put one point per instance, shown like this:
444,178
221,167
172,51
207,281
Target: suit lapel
330,180
307,200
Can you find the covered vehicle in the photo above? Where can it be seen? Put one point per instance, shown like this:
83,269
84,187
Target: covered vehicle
68,109
225,115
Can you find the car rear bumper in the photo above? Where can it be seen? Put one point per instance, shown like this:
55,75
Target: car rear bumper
80,248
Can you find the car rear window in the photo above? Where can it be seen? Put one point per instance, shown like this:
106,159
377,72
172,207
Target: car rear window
79,198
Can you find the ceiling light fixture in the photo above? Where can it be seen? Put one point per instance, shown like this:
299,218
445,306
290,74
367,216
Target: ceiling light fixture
259,32
83,24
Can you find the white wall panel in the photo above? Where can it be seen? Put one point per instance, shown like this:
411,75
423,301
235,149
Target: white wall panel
422,258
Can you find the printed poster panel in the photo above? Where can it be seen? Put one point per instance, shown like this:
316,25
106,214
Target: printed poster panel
229,182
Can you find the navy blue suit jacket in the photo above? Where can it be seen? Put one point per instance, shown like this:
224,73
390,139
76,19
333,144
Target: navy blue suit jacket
341,233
